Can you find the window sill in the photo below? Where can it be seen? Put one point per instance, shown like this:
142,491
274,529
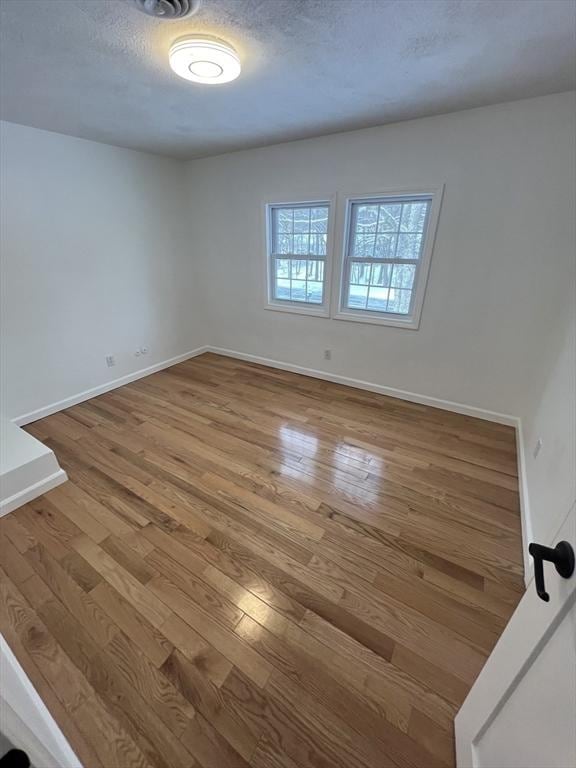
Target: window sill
295,309
412,323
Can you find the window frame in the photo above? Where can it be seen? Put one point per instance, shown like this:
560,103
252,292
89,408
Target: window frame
341,285
289,305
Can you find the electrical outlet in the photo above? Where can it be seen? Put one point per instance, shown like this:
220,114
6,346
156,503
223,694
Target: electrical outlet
537,447
110,361
327,354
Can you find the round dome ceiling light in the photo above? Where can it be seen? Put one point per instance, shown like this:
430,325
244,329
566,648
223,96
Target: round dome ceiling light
204,59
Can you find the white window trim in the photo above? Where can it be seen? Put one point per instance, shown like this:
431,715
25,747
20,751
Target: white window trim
299,307
411,321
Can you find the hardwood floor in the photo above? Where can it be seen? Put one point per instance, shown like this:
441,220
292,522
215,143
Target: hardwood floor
251,567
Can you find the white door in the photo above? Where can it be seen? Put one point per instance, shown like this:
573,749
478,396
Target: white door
521,711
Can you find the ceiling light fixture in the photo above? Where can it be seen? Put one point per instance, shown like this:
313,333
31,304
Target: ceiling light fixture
204,59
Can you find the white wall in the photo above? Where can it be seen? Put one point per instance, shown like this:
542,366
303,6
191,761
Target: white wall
94,262
501,276
107,249
551,416
494,279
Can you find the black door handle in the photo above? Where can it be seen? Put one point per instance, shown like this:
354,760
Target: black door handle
563,558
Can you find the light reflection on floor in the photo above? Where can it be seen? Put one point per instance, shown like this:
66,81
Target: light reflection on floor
348,465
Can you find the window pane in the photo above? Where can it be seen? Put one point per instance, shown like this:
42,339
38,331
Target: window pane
403,276
377,298
283,220
357,297
298,269
366,219
389,220
315,270
318,245
301,219
360,274
302,244
381,275
300,230
385,246
409,246
283,244
314,292
282,289
282,268
363,245
319,220
414,216
298,291
399,301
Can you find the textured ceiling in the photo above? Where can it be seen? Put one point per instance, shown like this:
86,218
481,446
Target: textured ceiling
98,68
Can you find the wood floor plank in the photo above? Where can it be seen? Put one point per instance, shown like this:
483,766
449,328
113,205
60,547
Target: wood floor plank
218,635
290,730
101,730
130,588
110,739
210,749
18,534
207,699
71,595
294,661
150,640
12,560
139,697
361,708
162,697
196,649
40,525
129,559
376,678
238,573
82,572
93,518
439,741
249,567
268,755
80,509
205,596
17,617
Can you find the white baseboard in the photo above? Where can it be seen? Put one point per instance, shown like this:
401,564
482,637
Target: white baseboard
32,492
413,397
525,515
48,410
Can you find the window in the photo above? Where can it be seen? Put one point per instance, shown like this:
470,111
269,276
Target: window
385,242
388,244
297,257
